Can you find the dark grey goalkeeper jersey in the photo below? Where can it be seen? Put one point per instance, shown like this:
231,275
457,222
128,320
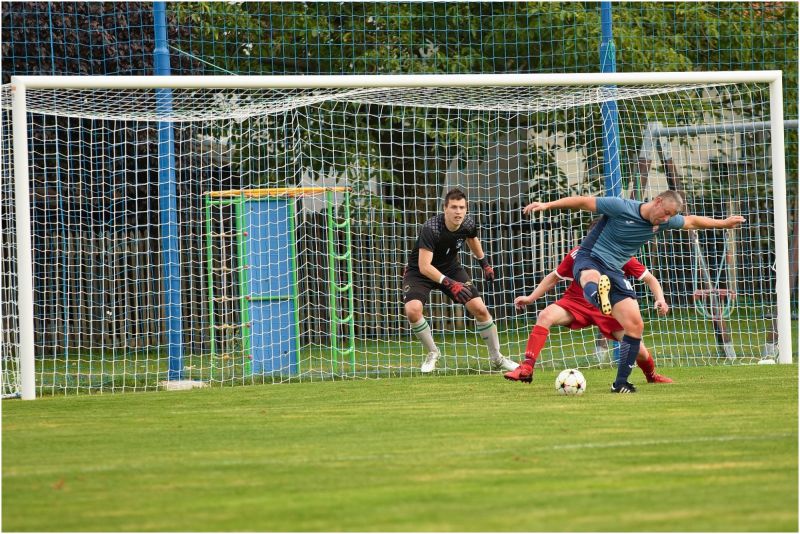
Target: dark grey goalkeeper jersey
444,244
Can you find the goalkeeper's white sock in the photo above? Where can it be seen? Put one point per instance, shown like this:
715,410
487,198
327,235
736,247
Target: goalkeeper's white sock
488,331
423,332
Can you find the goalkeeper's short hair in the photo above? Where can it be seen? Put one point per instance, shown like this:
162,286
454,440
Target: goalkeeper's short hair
454,194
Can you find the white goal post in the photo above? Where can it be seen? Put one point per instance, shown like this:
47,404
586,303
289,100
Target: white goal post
108,107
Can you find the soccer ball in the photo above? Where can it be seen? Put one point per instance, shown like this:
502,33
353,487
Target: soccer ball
570,382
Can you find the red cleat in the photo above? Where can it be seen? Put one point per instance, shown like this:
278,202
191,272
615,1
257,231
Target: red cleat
658,379
523,373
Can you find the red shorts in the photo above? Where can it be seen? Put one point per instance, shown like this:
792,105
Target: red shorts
587,315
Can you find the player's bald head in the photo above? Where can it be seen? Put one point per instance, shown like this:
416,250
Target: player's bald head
675,199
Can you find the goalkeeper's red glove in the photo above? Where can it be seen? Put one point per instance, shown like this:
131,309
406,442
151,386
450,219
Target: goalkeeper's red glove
460,292
488,272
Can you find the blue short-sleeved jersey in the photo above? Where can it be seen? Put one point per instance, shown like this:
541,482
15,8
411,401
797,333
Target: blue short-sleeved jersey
622,231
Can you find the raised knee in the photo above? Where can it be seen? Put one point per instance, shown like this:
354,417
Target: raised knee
636,328
481,312
545,319
589,275
413,311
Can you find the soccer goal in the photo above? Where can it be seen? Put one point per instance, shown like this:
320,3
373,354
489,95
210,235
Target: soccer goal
137,250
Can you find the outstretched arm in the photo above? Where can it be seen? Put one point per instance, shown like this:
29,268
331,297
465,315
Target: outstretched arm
568,203
658,293
698,222
547,283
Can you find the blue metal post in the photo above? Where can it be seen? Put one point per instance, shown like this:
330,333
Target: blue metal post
610,114
608,110
167,202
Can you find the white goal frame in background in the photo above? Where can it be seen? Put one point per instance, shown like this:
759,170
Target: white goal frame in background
19,85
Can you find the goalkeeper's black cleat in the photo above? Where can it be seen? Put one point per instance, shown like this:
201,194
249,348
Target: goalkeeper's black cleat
625,387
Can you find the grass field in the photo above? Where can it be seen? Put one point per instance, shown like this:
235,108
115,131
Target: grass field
672,344
716,451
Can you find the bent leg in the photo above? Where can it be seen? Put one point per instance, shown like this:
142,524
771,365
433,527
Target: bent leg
643,354
627,313
478,310
589,280
420,326
413,310
645,362
553,315
487,329
550,316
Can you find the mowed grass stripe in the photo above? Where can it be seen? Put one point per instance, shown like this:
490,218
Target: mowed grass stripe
716,451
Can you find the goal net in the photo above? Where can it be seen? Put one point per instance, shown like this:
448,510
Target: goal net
240,235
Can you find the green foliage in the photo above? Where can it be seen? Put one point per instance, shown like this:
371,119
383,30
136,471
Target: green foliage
442,37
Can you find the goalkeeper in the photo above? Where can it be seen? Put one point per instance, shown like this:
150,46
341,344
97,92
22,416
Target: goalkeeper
626,225
573,311
433,264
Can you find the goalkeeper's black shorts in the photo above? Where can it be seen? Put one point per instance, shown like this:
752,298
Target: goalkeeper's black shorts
417,286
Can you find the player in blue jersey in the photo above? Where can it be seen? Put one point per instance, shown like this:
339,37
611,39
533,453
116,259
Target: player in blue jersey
624,227
433,264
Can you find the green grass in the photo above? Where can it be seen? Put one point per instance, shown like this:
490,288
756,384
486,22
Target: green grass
671,344
716,451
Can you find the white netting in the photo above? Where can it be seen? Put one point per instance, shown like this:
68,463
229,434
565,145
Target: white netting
136,284
240,104
9,341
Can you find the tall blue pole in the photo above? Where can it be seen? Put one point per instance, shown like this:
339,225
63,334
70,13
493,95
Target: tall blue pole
167,202
608,110
610,115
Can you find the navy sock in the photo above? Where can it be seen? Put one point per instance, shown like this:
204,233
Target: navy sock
590,292
628,349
